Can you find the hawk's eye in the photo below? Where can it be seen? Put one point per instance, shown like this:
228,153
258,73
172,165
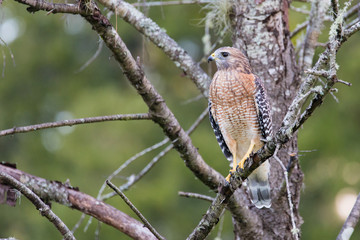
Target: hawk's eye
225,54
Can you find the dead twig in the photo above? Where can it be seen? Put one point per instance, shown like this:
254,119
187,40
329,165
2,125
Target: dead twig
135,210
196,195
295,231
169,3
39,204
72,122
135,178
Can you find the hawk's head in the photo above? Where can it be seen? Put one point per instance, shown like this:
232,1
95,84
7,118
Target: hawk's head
229,57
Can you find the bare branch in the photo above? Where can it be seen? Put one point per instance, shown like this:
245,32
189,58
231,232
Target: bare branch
135,178
4,56
39,204
36,5
351,221
135,210
168,3
77,225
349,32
70,197
295,231
303,25
352,11
98,51
117,117
196,195
316,18
298,28
158,109
158,36
300,10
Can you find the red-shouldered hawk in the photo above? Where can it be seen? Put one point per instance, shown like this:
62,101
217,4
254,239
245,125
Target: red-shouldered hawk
240,116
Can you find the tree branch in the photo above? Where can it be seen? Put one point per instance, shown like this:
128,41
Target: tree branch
135,210
351,221
133,179
68,196
316,19
39,204
158,36
168,3
196,195
295,231
158,109
72,122
36,5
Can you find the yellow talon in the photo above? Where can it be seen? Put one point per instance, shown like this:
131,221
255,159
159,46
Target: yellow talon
228,178
242,162
251,148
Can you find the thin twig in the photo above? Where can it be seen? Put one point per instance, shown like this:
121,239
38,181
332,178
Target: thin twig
135,210
295,231
300,10
96,54
11,53
117,117
344,82
196,195
125,164
79,222
39,204
352,11
298,28
316,19
351,221
133,179
168,3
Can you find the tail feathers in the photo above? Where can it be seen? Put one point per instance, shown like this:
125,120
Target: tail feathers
259,192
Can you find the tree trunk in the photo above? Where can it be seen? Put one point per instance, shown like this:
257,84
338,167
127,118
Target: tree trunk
261,29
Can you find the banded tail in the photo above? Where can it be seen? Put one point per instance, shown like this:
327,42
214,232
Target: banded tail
259,188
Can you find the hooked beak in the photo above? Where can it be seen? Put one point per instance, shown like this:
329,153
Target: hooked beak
211,58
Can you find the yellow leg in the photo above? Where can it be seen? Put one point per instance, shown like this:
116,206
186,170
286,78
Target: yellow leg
249,151
241,163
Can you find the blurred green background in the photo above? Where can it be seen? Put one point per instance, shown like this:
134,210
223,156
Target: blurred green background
44,85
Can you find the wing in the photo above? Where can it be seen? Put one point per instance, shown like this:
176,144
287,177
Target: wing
263,109
219,136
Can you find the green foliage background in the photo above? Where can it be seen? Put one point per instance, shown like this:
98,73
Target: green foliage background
44,82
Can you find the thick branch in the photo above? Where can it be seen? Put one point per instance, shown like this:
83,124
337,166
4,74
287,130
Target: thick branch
39,204
35,5
68,196
158,109
158,36
30,128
